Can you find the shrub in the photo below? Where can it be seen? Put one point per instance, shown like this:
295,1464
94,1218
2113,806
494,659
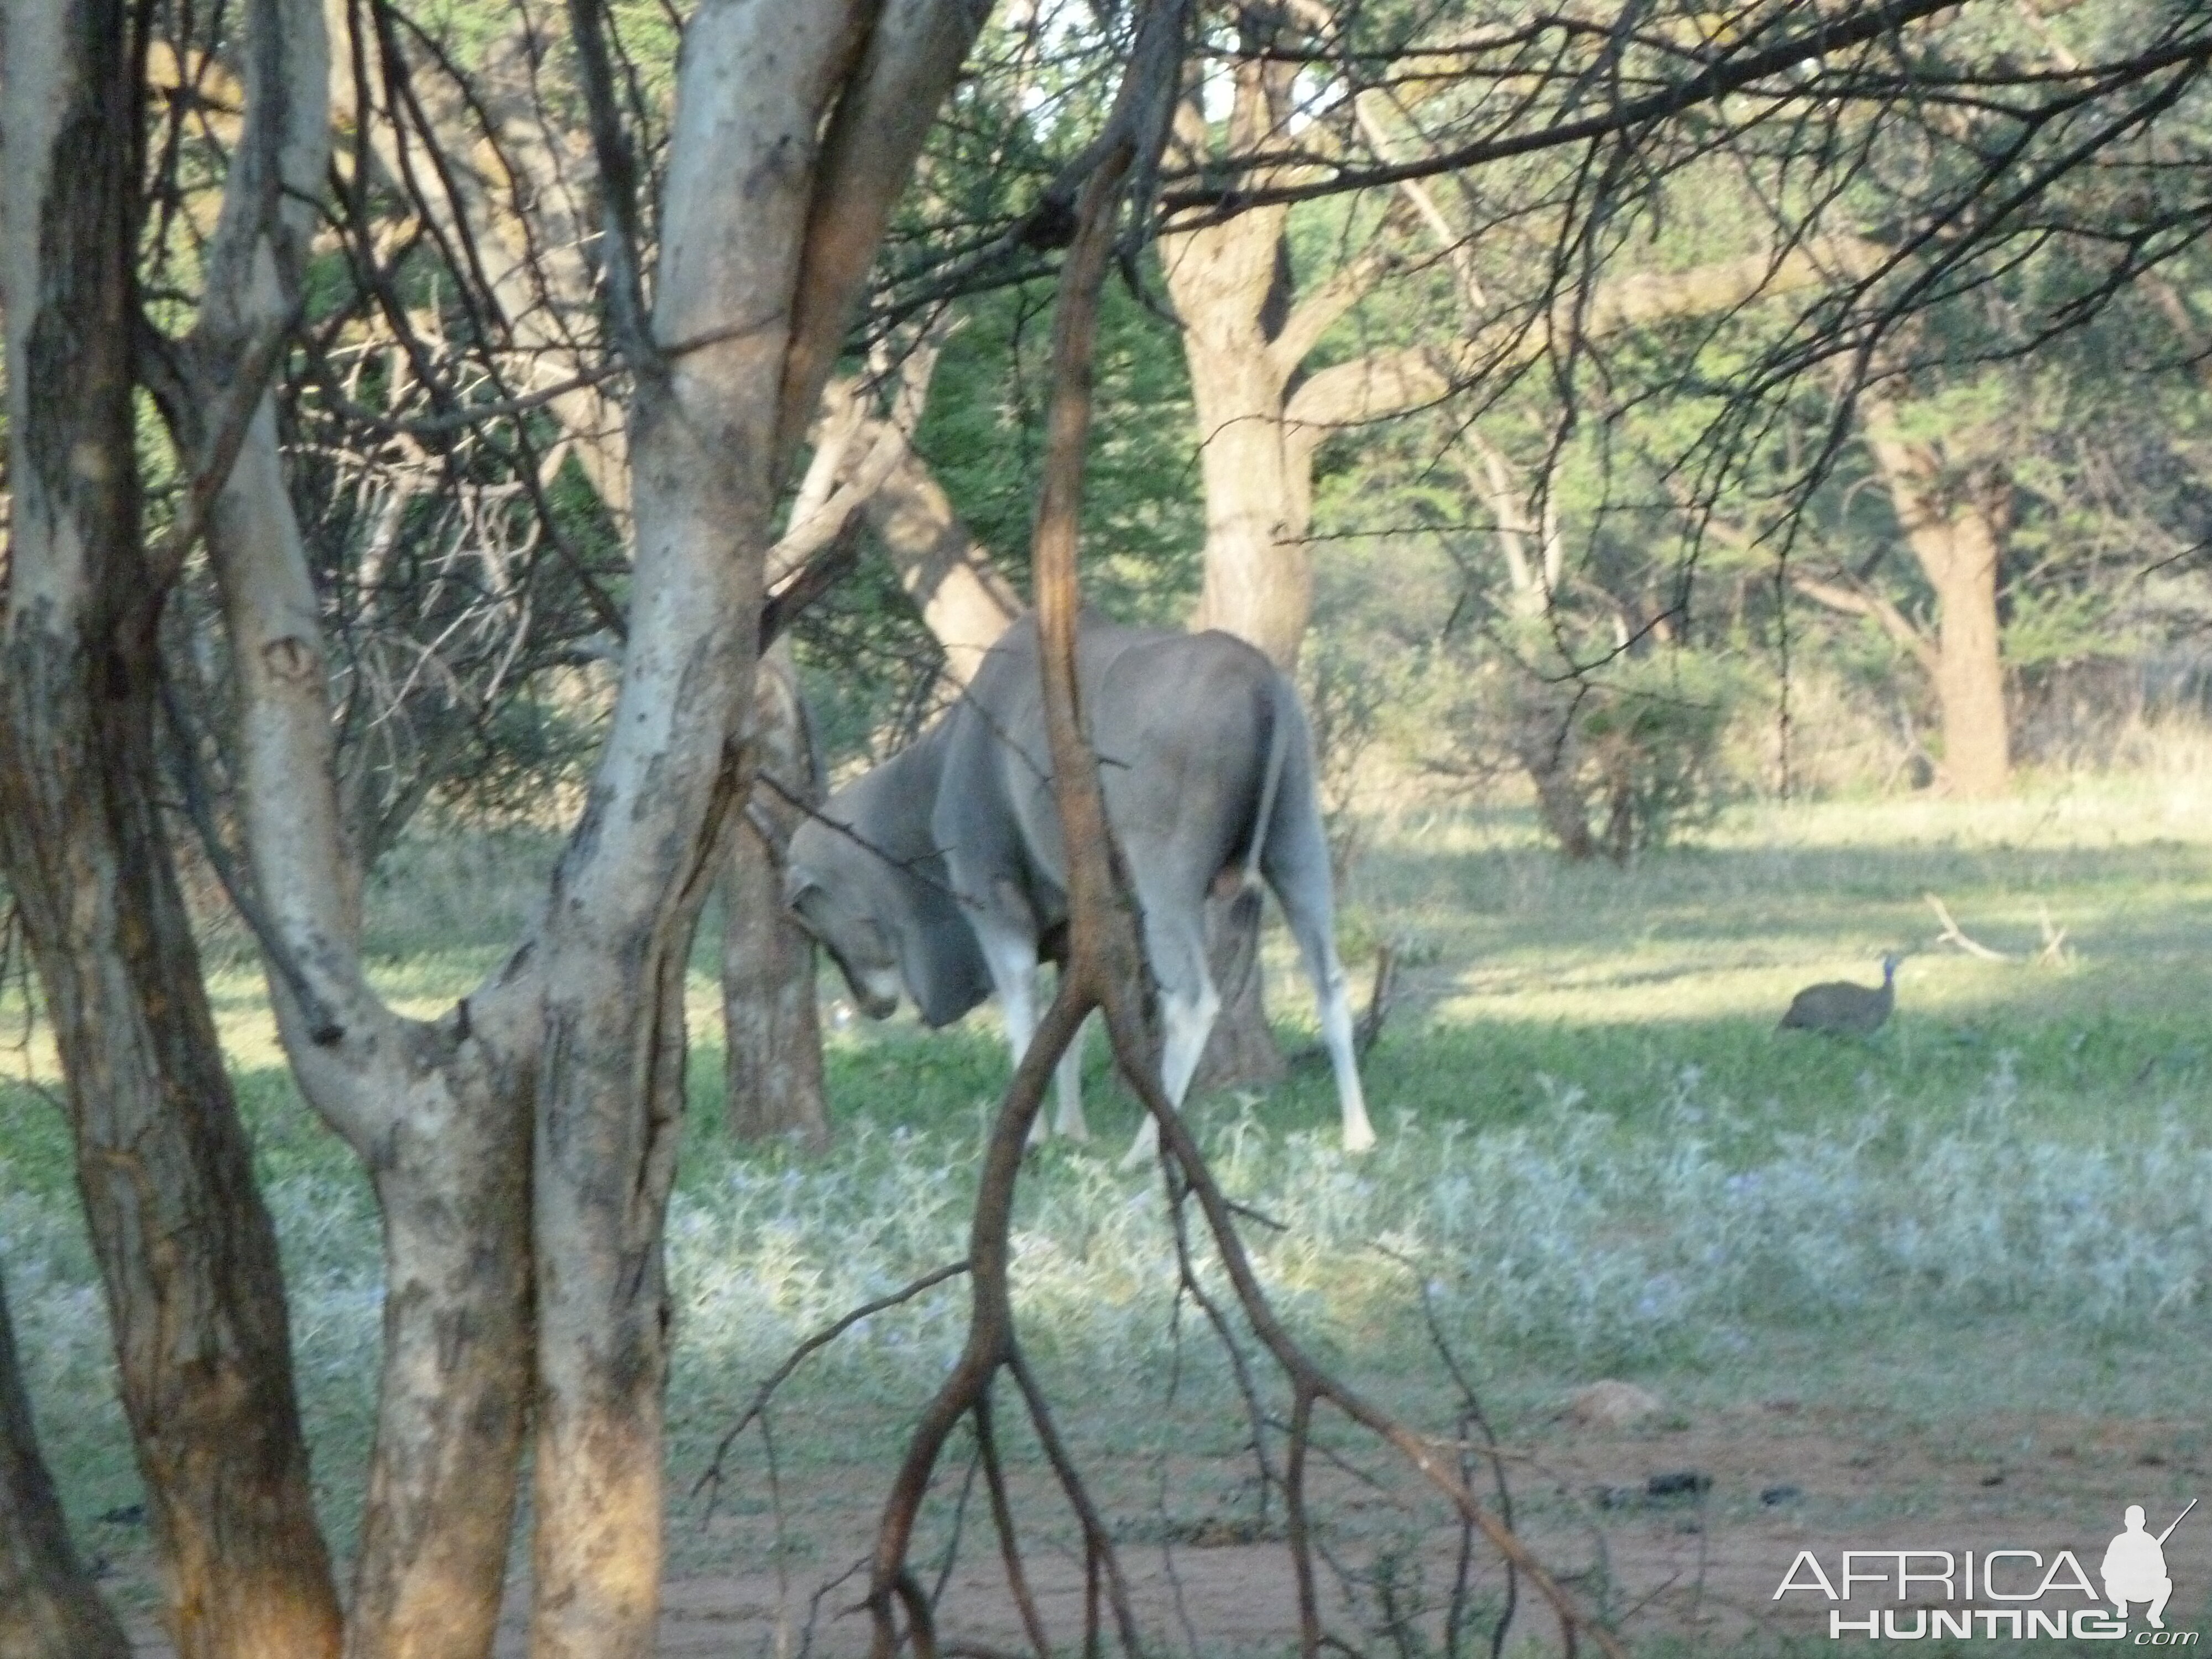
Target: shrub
1623,759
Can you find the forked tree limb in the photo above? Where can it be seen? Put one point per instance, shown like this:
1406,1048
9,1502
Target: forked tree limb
990,1346
1097,947
1002,1518
1856,599
2053,953
1307,1376
1098,1542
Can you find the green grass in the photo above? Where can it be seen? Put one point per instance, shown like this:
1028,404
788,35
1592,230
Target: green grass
1599,1154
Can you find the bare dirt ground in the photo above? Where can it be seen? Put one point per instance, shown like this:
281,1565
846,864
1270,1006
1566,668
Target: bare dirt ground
1681,1572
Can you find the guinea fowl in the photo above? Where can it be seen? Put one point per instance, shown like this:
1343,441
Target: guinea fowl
1843,1008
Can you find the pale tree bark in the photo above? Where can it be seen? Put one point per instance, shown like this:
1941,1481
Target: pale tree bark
501,147
1855,598
187,1256
1955,509
867,459
948,575
1530,582
437,1110
48,1606
772,1065
542,271
778,188
1229,283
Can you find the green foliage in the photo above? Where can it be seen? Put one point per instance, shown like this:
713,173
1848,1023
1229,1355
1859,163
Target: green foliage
1653,736
983,435
871,668
1628,756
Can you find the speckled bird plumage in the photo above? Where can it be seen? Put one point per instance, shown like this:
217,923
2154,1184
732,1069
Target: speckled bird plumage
1843,1008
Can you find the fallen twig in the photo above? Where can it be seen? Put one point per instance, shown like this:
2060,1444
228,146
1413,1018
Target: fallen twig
1369,1026
2053,953
1951,934
1364,1034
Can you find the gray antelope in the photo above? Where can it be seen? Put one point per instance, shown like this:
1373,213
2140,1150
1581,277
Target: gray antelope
942,874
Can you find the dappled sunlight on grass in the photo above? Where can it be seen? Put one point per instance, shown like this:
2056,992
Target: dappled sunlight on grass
1608,979
1598,1153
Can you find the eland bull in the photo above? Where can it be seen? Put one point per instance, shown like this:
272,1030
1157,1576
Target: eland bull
942,873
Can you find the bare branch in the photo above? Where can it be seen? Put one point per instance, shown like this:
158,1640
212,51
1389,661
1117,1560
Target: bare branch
1954,934
628,319
1002,1516
1732,71
1396,382
1858,600
711,1480
1320,310
911,56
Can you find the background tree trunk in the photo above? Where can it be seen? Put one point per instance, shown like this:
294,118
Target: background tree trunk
1230,284
1961,559
964,602
772,1066
1544,743
1259,571
1240,1049
186,1252
1955,515
48,1606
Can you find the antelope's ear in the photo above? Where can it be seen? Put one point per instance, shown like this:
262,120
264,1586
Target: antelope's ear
798,885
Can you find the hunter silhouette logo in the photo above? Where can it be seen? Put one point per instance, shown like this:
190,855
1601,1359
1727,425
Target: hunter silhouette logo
2011,1594
2135,1567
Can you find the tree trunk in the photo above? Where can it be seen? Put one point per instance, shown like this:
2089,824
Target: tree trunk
1546,752
779,187
1241,1049
1955,515
186,1252
1229,282
437,1111
48,1606
772,1067
1225,282
964,602
1259,570
1969,673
